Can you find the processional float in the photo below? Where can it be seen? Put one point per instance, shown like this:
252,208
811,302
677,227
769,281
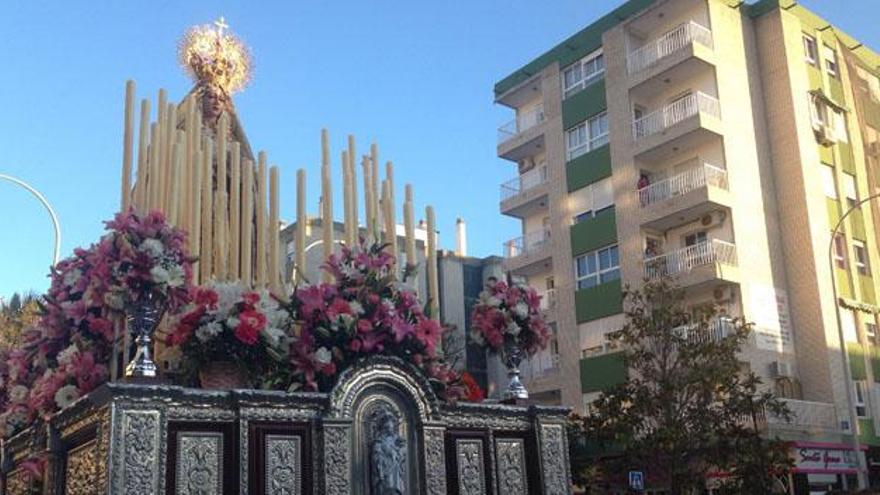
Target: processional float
195,164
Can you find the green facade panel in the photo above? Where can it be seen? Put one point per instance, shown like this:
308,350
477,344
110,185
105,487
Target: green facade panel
835,89
856,221
847,161
844,284
866,284
867,435
826,154
602,372
814,75
872,113
599,301
857,365
584,104
875,363
588,168
833,212
593,233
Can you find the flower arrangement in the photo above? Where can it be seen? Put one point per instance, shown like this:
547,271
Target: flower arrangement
366,311
227,323
509,316
68,354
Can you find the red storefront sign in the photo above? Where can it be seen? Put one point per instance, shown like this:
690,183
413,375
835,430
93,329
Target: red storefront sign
816,457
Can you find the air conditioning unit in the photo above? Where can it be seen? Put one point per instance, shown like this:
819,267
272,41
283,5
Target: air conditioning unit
781,369
824,134
721,294
713,219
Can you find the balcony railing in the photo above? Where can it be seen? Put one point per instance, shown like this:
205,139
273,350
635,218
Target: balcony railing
683,183
683,260
521,123
529,243
715,330
548,300
544,363
671,42
806,415
531,179
675,112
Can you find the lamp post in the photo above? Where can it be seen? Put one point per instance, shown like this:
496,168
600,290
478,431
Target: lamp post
853,418
57,226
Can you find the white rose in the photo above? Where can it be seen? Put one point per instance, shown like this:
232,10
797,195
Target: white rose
356,307
207,332
160,275
66,395
323,355
232,322
67,355
493,301
521,309
72,277
18,393
175,275
513,328
153,247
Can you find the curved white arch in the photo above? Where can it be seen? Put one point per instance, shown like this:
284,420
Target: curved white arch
52,215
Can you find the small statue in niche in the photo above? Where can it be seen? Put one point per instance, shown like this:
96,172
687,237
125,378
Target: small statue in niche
388,456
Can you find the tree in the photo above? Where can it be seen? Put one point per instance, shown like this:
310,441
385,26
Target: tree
687,407
16,315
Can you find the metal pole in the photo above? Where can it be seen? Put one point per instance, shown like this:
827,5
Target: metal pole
57,226
853,418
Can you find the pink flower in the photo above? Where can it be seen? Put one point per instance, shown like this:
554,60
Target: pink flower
402,329
428,332
249,326
364,325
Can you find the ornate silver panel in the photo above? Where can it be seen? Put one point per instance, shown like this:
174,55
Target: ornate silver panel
136,460
337,458
471,472
199,469
435,462
510,457
283,467
554,460
81,472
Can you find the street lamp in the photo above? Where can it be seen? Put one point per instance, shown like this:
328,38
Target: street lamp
853,418
57,226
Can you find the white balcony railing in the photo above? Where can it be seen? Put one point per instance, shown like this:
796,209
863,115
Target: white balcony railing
685,259
522,122
716,330
807,415
673,113
671,42
683,183
531,179
529,243
544,363
548,300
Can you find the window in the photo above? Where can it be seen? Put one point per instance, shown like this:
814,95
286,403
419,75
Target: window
859,399
849,189
828,181
819,112
810,49
695,238
597,267
840,251
830,60
861,259
871,332
582,73
848,325
587,136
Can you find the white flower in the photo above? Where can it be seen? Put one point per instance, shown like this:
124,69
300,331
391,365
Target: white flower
478,337
114,300
18,393
228,293
153,247
323,355
67,355
232,322
175,275
66,395
521,309
356,307
493,301
347,320
72,277
207,332
513,328
160,275
274,336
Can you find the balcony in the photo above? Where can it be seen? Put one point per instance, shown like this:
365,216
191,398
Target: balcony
522,254
806,416
675,57
700,263
541,365
521,136
685,123
524,195
715,330
548,300
684,197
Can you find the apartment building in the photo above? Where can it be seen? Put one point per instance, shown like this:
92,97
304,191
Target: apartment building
718,142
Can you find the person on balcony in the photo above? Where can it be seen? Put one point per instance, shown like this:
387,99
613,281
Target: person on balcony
643,183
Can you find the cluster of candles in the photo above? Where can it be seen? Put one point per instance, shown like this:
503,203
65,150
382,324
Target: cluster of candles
205,180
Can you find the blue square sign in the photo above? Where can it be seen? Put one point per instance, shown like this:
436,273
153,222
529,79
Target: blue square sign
636,480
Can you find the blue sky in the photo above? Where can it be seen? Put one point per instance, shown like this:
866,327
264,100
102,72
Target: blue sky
414,76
